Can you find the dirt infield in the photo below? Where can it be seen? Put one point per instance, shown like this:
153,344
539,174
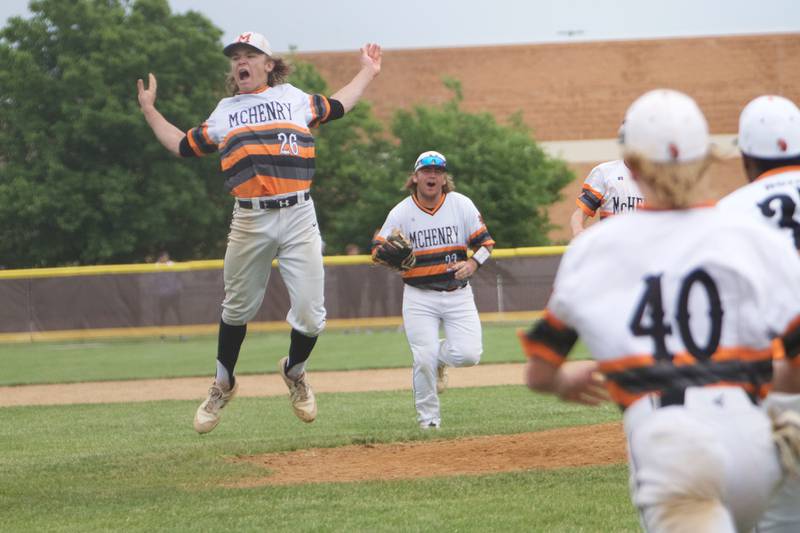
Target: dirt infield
600,444
249,386
568,447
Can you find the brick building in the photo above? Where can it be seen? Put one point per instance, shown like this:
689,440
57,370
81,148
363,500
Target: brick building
579,91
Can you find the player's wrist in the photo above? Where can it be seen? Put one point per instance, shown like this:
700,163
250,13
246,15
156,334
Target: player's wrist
481,256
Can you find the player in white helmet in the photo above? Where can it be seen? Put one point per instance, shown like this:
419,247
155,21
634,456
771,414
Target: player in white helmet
263,136
608,190
681,322
441,226
769,139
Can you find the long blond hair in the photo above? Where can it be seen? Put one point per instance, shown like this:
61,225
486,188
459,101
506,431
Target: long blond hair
676,185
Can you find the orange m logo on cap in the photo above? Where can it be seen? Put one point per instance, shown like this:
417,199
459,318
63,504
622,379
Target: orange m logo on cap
245,37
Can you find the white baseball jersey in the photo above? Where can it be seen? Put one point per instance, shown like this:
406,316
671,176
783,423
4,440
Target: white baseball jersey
773,197
694,298
264,140
439,237
681,320
610,189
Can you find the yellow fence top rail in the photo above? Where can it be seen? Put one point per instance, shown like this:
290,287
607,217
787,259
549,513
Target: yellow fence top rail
216,264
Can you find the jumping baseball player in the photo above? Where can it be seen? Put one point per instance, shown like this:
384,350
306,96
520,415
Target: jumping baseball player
440,225
769,139
263,136
609,190
681,323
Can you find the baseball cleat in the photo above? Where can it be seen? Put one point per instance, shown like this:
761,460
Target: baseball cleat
208,414
441,379
300,394
430,425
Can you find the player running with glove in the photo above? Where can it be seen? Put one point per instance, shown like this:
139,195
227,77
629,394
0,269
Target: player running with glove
426,236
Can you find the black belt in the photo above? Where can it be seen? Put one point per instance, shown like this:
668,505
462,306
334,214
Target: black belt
450,289
678,397
278,203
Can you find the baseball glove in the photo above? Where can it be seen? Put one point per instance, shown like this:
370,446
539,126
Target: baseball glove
786,434
395,252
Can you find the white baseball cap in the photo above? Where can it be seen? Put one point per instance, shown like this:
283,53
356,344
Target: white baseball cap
249,38
430,159
769,128
666,126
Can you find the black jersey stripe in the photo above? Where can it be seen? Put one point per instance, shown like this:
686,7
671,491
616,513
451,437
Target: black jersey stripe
664,374
440,258
201,142
560,340
439,282
481,239
280,172
264,137
290,167
589,200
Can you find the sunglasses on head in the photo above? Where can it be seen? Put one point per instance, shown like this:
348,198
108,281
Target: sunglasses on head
431,161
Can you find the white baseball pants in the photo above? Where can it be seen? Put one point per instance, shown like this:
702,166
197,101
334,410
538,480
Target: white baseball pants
707,465
423,312
783,514
256,238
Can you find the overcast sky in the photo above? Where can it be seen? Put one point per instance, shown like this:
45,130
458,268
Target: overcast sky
347,24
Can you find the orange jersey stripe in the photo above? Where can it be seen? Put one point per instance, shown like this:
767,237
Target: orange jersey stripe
583,207
418,272
480,230
620,396
305,152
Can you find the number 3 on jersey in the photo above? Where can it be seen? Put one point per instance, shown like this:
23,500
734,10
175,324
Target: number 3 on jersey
651,306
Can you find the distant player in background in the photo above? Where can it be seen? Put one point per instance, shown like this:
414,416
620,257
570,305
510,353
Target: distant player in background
609,190
267,155
681,323
769,139
441,225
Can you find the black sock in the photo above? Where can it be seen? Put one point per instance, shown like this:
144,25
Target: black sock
299,349
229,344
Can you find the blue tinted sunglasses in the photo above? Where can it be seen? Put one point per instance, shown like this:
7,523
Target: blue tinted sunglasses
431,161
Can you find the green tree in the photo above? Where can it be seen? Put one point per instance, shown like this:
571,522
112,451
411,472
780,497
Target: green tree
500,167
82,179
353,184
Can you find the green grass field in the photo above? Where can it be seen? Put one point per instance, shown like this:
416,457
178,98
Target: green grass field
140,466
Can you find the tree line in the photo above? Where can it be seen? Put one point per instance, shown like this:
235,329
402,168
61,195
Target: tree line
83,180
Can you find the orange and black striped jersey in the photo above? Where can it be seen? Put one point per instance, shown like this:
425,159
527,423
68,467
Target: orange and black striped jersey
263,138
439,237
610,189
697,297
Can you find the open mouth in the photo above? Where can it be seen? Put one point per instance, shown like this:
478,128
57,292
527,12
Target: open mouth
243,74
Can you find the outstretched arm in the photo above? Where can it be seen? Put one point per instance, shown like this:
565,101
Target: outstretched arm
166,133
370,67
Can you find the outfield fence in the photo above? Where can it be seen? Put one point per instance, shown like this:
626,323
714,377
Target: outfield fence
184,298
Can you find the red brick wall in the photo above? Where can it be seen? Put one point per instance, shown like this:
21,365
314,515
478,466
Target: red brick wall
581,90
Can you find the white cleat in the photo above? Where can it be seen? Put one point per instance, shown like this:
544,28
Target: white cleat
300,394
208,414
430,425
